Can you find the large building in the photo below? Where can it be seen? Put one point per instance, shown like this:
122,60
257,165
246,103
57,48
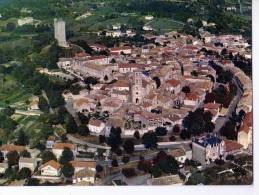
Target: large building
207,148
60,32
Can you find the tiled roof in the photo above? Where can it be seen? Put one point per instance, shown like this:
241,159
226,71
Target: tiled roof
85,164
232,145
11,147
95,122
53,164
61,146
177,152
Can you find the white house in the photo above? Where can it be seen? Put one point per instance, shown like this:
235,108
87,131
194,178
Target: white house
173,85
179,155
207,148
81,165
84,175
30,163
130,67
3,167
96,126
51,168
10,147
119,50
59,147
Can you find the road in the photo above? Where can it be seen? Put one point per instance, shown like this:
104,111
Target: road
47,99
222,120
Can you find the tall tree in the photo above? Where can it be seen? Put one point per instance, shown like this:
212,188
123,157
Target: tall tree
66,156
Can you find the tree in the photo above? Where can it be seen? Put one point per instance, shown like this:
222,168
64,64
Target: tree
9,111
24,173
10,26
47,156
22,139
137,135
229,130
32,182
67,170
144,166
230,157
209,97
114,139
176,129
66,156
43,104
99,168
12,157
172,138
156,171
128,172
83,130
84,119
157,80
209,127
114,163
10,173
128,146
194,73
25,154
161,131
149,139
70,124
125,159
102,139
186,89
105,78
185,134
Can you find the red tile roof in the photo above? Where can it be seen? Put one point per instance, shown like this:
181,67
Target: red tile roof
232,145
61,146
11,147
84,164
53,164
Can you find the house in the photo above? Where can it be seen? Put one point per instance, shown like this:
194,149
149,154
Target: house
179,154
34,101
96,126
10,147
59,147
30,163
129,67
173,85
3,167
84,175
99,60
188,151
244,136
51,168
192,99
165,180
214,109
232,147
81,165
207,148
120,50
98,47
50,142
82,104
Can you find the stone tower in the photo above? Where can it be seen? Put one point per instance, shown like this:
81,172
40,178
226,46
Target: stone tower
137,89
60,32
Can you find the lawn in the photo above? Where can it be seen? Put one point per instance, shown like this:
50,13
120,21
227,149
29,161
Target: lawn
164,25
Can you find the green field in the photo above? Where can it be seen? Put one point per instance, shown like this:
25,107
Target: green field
164,25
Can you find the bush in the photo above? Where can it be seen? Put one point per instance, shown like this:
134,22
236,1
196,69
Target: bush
128,172
24,173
